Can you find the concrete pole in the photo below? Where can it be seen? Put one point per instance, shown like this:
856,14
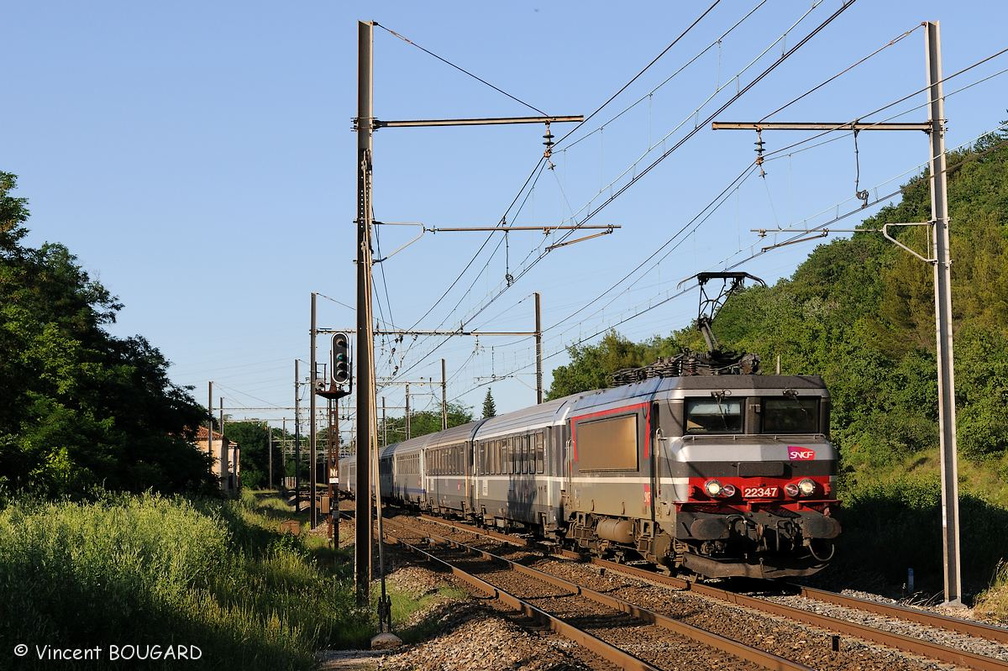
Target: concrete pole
943,320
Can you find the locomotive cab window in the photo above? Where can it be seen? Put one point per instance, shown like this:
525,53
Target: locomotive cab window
712,415
790,415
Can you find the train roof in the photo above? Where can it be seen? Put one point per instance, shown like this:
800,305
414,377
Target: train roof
456,434
674,386
627,394
538,416
747,382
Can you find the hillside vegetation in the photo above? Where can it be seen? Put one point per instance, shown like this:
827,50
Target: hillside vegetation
860,313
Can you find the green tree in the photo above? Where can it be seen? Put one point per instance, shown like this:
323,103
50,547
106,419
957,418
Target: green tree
592,366
423,422
252,439
489,407
81,408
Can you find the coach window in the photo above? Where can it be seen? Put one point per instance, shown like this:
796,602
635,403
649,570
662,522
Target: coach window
713,415
540,453
525,455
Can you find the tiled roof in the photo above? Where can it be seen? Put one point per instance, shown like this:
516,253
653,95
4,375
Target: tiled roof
201,434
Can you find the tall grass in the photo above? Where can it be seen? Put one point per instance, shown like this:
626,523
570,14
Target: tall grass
160,571
992,603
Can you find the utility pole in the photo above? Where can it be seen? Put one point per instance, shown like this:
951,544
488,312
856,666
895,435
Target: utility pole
538,342
297,440
367,440
941,263
224,466
409,431
943,318
444,398
269,430
209,434
363,534
313,513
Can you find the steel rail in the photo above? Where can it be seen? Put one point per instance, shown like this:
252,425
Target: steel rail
897,641
748,653
607,651
969,627
907,644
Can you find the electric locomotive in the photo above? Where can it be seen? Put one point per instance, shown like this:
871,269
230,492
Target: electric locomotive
716,475
698,464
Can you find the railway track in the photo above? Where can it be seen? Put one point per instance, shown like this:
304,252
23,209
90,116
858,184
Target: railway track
801,635
619,632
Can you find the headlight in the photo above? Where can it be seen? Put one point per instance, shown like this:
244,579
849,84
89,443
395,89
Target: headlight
715,489
791,489
806,487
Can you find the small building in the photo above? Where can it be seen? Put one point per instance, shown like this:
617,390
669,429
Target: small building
226,459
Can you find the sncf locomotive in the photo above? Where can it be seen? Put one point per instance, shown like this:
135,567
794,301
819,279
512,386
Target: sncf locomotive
698,471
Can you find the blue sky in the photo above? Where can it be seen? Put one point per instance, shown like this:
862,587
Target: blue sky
198,159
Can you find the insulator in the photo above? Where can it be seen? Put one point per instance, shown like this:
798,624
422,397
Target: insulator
548,141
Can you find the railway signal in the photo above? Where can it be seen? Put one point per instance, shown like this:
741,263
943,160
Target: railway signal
340,358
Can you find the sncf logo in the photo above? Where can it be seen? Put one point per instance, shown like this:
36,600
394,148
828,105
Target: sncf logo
800,453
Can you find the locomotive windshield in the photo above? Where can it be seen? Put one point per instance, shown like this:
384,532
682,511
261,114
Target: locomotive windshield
791,415
712,415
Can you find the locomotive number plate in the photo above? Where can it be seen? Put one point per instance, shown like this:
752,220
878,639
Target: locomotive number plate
759,492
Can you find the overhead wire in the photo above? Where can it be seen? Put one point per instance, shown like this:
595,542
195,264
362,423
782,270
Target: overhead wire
652,305
647,67
876,52
460,69
689,135
787,54
664,82
538,169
